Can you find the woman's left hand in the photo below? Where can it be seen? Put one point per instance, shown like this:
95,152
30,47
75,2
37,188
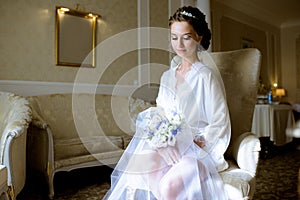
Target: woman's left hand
200,141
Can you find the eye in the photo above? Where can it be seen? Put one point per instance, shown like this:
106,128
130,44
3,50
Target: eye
187,37
174,38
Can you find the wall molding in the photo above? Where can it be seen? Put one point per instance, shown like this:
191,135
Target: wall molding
32,88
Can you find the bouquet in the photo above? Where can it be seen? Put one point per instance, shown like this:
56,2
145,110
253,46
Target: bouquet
162,126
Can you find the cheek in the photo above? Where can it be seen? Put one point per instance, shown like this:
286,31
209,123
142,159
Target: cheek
173,43
191,44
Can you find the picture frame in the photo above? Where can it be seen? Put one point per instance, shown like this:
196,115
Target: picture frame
75,37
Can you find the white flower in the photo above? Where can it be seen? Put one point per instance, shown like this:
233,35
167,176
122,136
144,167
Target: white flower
174,117
156,119
161,127
158,141
172,140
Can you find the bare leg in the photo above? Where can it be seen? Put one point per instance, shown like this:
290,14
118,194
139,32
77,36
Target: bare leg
172,185
151,166
168,182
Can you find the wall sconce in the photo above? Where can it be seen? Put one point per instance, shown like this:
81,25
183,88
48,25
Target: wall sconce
280,92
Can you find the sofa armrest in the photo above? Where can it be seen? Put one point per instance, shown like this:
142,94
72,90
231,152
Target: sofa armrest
39,124
246,150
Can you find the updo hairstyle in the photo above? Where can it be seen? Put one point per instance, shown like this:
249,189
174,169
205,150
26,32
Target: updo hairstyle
196,19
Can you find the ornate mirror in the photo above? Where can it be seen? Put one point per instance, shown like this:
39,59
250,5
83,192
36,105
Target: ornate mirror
75,37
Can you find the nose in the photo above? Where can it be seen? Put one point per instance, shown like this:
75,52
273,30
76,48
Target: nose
180,43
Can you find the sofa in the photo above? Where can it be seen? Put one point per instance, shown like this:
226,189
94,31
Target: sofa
71,131
15,116
74,131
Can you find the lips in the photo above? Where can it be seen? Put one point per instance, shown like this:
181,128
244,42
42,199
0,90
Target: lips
180,50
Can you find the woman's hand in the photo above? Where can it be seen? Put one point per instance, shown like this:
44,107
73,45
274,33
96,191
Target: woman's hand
169,154
200,141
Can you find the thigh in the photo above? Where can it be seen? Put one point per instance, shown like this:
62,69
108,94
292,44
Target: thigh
187,178
187,168
182,174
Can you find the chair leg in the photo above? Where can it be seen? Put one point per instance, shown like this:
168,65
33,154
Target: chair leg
11,193
51,186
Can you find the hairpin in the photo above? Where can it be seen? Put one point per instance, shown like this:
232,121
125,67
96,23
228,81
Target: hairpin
187,14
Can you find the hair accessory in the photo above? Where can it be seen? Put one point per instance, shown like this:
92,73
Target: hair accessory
187,14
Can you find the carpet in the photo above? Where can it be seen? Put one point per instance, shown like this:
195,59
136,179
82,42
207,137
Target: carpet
277,178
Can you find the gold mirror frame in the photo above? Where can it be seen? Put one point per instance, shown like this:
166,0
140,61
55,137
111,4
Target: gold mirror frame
75,37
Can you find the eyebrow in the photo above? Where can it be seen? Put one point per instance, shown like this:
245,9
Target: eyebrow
183,34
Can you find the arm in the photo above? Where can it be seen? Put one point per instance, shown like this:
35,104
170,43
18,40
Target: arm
214,122
216,114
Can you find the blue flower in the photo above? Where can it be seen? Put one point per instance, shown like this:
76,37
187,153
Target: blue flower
162,126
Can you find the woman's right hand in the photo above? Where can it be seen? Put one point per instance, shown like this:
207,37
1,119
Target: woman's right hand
169,154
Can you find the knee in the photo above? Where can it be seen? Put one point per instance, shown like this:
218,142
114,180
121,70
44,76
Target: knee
168,189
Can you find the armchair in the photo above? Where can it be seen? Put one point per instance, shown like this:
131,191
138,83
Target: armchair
15,116
240,72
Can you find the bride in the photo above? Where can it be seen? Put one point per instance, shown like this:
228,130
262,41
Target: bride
178,148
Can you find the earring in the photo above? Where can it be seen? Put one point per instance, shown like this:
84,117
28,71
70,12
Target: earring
198,47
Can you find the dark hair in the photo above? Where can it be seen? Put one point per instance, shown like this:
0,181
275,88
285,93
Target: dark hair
196,19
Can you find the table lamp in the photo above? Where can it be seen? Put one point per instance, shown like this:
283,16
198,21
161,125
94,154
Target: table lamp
280,92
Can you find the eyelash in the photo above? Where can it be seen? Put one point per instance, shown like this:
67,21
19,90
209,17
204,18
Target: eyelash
185,38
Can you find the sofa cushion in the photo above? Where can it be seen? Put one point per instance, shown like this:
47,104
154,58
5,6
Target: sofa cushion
238,182
105,158
70,148
136,106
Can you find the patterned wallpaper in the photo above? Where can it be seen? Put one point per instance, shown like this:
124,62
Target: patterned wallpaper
27,37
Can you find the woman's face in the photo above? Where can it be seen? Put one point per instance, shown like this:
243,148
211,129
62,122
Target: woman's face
184,39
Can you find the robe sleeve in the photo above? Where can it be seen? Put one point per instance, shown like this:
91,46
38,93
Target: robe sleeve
217,132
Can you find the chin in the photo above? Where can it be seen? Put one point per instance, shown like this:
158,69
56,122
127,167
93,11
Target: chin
181,54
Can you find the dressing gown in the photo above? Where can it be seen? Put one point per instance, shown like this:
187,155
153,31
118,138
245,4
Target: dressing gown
202,100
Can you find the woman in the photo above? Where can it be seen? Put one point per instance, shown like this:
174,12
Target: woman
184,164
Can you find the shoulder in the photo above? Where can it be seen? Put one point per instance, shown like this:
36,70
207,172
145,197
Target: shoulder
169,73
200,67
201,70
166,74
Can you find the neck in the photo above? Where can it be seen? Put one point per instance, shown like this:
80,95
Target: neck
187,63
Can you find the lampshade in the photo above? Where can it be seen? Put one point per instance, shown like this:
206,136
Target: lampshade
280,92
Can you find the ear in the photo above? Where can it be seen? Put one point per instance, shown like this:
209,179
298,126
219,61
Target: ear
199,38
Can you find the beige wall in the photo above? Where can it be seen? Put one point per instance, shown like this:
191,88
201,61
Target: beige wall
231,26
289,65
235,35
27,37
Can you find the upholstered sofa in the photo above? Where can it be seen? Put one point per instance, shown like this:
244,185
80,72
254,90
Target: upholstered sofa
71,131
15,116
